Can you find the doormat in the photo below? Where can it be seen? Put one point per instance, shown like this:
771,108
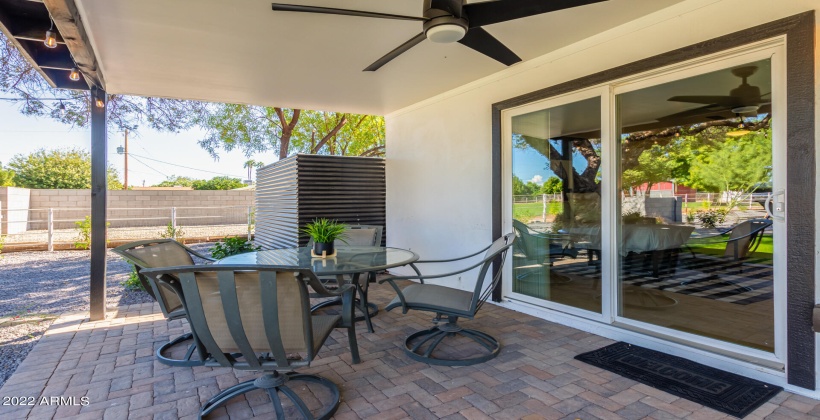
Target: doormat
723,391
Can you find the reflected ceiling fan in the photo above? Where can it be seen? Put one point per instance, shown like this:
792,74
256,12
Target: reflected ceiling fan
447,21
745,99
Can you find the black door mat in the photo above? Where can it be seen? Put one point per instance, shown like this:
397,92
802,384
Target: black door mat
723,391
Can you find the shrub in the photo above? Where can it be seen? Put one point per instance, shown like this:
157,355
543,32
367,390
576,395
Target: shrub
172,232
2,242
711,218
84,233
232,246
324,231
133,281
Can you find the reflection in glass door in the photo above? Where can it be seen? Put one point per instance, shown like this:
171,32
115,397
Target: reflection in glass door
556,206
696,249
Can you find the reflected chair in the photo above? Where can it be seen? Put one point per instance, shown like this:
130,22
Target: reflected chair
260,320
539,248
356,235
744,238
449,304
158,253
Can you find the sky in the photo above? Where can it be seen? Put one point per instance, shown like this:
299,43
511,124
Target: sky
153,155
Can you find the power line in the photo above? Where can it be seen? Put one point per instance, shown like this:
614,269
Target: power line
185,167
150,167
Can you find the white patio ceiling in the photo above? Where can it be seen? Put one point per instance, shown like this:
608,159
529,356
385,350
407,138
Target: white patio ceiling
241,51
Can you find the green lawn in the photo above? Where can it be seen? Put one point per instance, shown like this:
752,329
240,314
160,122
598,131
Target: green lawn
766,247
527,211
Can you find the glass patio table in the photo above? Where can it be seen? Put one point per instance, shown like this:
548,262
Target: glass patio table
352,261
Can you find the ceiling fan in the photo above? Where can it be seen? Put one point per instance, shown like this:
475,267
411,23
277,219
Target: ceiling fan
447,21
744,99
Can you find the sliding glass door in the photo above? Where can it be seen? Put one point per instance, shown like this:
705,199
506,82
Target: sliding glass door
556,202
657,203
696,169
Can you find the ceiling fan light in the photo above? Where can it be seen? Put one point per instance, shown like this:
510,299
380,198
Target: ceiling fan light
445,34
745,109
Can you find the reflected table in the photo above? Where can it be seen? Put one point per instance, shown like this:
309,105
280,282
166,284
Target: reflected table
352,261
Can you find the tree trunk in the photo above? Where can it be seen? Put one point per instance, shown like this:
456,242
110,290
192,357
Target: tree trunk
287,130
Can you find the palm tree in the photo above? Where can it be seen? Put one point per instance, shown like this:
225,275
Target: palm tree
250,164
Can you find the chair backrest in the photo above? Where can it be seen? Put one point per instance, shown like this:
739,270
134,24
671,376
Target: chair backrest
364,235
263,313
745,237
533,247
496,252
157,253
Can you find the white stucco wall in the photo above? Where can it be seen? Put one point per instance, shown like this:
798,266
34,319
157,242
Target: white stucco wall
439,150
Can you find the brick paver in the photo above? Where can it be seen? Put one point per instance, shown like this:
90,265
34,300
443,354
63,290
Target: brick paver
110,364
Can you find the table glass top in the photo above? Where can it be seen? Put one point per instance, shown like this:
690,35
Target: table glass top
348,259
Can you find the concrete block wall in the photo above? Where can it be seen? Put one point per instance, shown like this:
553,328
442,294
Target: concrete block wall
132,208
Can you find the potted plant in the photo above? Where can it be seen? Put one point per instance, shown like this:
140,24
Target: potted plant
324,232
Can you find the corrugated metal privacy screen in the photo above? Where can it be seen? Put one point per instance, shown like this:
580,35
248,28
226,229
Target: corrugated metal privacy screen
294,191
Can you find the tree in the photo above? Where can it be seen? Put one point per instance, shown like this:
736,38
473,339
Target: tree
218,183
736,165
58,169
177,181
37,98
255,129
552,185
251,165
656,164
6,176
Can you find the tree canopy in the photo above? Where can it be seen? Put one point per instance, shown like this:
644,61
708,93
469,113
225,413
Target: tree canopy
6,176
215,183
254,129
247,128
58,169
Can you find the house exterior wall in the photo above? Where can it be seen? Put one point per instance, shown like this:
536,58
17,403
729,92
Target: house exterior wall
439,168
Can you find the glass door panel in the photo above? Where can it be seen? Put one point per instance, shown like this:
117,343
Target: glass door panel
695,245
556,188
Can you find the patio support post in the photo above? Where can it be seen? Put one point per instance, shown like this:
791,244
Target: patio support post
99,195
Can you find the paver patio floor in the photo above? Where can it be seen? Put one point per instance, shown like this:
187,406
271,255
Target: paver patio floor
112,364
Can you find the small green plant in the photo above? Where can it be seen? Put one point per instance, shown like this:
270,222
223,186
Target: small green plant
2,243
324,231
84,233
232,246
711,218
173,232
133,281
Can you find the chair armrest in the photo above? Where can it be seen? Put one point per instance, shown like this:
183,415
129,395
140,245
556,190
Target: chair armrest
454,259
197,254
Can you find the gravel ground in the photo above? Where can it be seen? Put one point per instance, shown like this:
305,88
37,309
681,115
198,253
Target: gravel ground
36,283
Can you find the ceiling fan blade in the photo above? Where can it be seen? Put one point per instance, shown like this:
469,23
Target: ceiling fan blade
396,52
344,12
489,12
727,101
481,41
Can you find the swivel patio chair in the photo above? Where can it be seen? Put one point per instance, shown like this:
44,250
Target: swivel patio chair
260,320
158,253
450,304
744,238
356,235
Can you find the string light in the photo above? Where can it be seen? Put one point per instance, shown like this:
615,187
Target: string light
74,75
51,37
99,102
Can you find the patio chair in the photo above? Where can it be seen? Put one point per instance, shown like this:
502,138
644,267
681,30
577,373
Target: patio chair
158,253
744,238
534,248
450,304
260,320
356,235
